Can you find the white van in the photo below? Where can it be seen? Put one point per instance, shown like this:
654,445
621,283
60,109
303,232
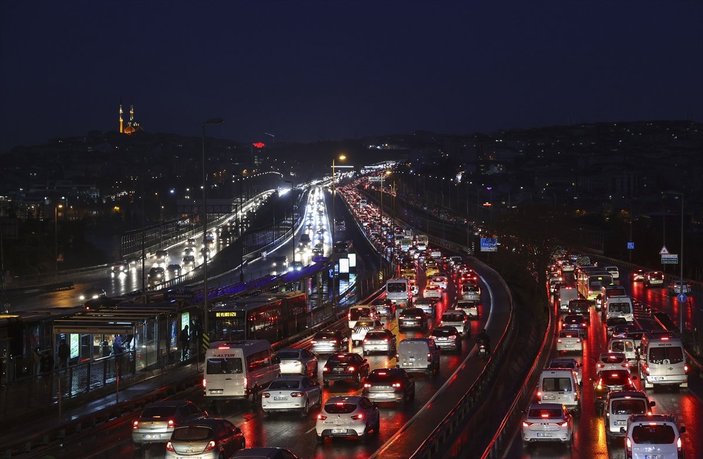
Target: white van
663,362
418,354
566,294
421,241
619,406
398,291
625,345
237,369
359,311
559,386
619,306
653,436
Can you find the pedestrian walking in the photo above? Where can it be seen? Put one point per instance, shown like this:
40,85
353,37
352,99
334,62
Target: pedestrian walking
184,341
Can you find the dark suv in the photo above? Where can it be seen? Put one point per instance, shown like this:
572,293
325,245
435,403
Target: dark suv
389,385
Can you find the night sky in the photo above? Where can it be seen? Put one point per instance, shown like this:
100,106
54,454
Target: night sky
312,70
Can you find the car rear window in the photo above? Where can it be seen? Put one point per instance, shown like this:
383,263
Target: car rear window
325,335
554,384
658,434
612,358
562,364
615,377
283,384
443,332
665,355
378,376
452,317
224,366
340,408
375,335
628,406
289,355
544,413
192,433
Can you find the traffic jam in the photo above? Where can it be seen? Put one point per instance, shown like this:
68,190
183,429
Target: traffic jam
345,390
616,384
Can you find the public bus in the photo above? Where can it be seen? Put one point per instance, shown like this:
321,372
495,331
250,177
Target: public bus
590,280
269,316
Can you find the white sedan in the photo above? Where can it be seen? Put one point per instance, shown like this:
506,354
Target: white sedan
432,291
547,422
291,393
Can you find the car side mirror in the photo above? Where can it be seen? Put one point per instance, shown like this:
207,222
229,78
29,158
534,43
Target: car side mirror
652,403
633,377
682,429
365,360
205,415
622,430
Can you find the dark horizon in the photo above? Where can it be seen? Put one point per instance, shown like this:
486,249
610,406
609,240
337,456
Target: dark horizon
322,71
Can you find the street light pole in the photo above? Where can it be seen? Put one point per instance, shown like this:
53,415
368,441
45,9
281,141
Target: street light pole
203,211
56,237
681,303
341,157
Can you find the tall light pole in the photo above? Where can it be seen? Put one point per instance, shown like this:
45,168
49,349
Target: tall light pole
341,158
57,207
679,195
383,176
203,212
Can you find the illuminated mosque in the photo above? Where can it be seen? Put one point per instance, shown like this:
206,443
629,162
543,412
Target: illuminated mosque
132,125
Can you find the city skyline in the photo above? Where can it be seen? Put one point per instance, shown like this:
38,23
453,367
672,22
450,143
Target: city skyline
321,71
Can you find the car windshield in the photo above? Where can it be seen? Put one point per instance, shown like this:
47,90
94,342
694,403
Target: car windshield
288,355
665,355
555,384
621,346
191,433
355,313
544,413
340,408
341,358
282,384
657,434
224,365
628,406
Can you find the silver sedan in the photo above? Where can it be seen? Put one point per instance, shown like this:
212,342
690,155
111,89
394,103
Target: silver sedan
291,393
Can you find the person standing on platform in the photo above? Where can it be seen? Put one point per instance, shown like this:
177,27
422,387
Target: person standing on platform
184,340
63,354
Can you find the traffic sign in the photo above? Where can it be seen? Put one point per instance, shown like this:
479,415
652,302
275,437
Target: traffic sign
663,251
670,259
630,245
682,298
489,244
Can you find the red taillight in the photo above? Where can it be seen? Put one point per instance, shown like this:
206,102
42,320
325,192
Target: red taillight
367,385
539,395
204,383
685,368
171,423
169,447
526,424
559,341
210,446
397,384
314,342
325,369
600,384
358,416
296,394
350,368
628,443
135,424
564,424
265,394
321,417
678,443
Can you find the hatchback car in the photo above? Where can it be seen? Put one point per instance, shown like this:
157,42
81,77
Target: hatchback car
440,281
329,342
347,417
655,436
612,361
447,337
362,327
654,279
297,362
207,438
547,422
389,385
570,341
291,393
412,318
348,366
158,420
174,270
428,305
637,275
574,322
379,340
432,291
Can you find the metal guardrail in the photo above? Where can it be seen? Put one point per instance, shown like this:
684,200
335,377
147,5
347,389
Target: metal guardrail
510,420
436,443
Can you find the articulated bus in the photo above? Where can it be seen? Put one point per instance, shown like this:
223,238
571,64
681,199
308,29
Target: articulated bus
589,281
270,316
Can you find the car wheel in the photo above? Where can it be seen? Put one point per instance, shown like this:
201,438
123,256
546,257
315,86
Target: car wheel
320,439
305,410
325,383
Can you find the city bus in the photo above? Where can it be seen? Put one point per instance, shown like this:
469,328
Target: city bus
265,316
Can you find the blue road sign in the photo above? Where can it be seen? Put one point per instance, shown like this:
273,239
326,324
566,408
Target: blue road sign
489,244
682,297
630,245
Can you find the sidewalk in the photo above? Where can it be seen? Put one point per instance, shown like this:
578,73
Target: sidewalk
44,425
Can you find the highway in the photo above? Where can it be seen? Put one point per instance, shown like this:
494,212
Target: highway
589,437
